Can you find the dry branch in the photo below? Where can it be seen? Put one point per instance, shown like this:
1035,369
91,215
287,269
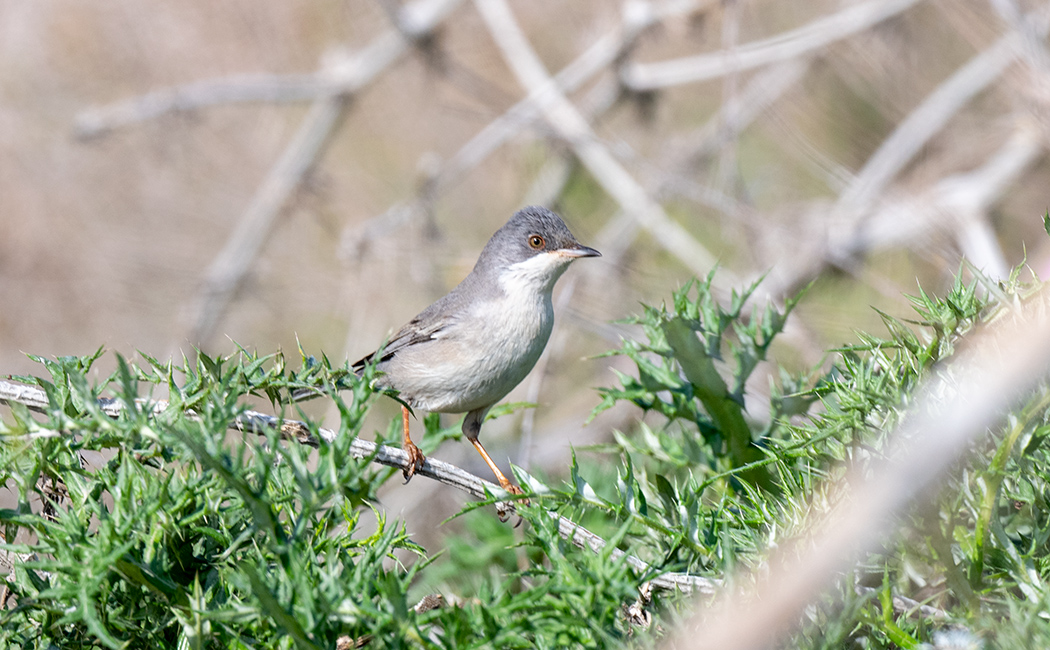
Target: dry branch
229,268
603,53
643,77
928,118
571,127
342,77
252,231
960,202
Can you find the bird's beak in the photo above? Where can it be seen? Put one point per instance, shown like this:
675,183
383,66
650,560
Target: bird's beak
579,250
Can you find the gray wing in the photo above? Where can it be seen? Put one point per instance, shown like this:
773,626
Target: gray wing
432,321
426,326
413,333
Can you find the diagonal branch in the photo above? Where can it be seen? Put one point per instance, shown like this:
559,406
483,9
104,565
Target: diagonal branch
604,52
255,422
953,410
571,127
928,119
252,231
912,134
229,268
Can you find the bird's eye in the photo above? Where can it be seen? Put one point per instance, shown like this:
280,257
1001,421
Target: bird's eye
536,242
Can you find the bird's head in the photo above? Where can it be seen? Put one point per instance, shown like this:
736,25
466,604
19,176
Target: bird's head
532,250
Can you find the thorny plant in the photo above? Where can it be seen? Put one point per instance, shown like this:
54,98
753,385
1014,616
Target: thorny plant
162,529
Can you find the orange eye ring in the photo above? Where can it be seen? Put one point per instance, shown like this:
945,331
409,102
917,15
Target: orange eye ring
536,242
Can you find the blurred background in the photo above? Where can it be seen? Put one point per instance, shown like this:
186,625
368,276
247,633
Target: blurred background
194,174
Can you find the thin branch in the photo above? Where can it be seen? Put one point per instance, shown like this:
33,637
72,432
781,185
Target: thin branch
643,77
603,53
1033,47
762,91
255,422
260,88
912,134
446,473
340,78
571,127
960,201
229,268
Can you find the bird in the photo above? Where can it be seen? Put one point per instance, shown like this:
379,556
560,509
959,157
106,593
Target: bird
467,351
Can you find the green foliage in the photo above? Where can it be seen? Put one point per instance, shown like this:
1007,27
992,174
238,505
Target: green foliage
169,528
679,377
161,529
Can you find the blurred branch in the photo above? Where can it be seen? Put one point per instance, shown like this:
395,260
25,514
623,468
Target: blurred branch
862,220
571,127
606,51
1002,361
960,202
928,118
446,473
262,88
228,269
738,113
642,77
1033,49
340,78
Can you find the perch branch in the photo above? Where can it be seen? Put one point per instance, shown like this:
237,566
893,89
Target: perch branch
35,399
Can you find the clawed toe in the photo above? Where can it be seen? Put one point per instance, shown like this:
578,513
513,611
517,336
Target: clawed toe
415,461
503,510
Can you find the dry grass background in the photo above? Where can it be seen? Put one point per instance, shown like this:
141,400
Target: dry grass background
828,163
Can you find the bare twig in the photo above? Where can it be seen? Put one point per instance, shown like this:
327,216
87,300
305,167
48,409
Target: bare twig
255,88
603,53
228,269
563,117
642,77
912,134
1033,49
342,79
762,90
960,202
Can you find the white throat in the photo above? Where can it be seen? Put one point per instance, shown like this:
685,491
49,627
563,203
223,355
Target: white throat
533,277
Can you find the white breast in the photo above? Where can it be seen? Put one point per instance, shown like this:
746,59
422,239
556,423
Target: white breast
493,348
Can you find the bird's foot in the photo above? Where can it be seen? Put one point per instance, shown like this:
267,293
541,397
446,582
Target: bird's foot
503,510
415,460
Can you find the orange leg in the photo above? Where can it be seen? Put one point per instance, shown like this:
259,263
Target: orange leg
415,457
503,481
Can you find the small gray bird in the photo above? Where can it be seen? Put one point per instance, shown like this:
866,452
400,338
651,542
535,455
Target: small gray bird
466,351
